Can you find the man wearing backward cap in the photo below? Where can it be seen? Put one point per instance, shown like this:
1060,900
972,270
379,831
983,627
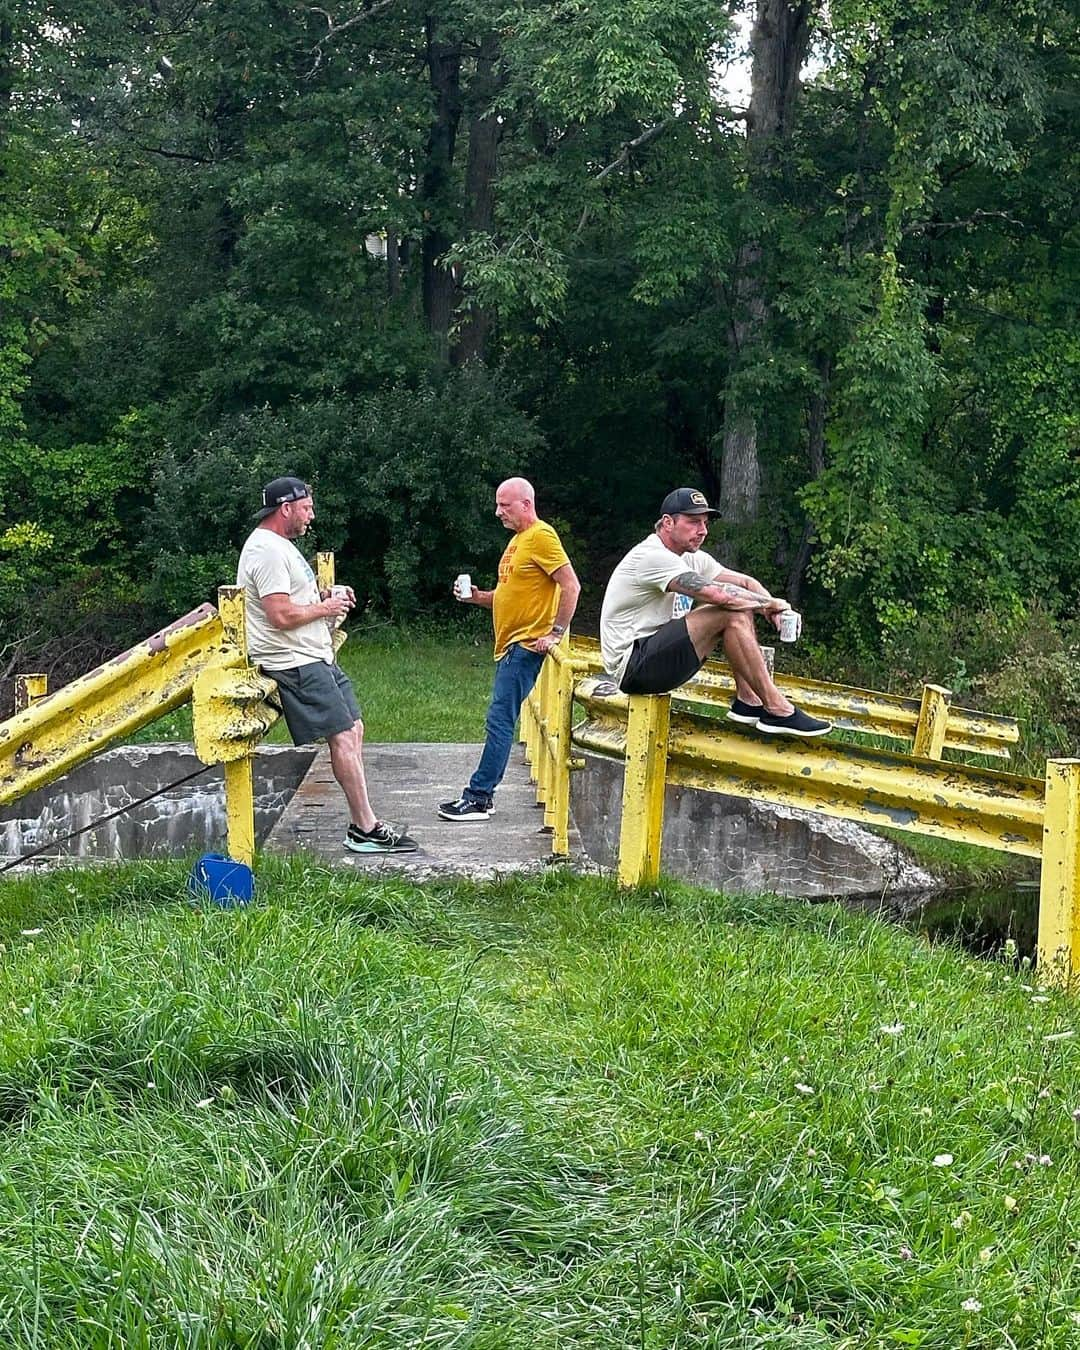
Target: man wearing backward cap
289,637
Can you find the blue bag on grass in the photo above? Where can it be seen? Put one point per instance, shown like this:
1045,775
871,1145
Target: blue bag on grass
223,880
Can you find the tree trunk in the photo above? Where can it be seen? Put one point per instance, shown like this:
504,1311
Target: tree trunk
778,45
484,135
819,405
229,136
438,288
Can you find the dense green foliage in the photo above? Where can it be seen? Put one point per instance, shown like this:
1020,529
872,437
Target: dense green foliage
847,309
534,1113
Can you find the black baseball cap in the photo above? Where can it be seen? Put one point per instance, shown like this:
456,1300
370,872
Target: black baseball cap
686,502
279,491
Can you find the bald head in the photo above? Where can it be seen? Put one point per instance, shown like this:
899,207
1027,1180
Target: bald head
515,504
519,488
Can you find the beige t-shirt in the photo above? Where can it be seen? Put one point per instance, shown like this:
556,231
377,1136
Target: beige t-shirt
637,601
270,565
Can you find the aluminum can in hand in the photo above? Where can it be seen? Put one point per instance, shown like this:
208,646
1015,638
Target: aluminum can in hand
339,593
790,625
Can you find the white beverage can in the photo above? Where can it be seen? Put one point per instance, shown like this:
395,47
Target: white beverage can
790,625
463,586
339,593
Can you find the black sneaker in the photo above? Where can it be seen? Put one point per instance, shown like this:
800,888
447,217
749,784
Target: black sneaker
465,809
382,838
744,712
796,723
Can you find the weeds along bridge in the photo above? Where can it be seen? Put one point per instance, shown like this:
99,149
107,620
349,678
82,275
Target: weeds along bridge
679,740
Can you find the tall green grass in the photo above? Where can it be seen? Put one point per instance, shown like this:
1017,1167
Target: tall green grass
534,1113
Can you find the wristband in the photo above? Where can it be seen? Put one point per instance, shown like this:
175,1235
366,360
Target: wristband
558,629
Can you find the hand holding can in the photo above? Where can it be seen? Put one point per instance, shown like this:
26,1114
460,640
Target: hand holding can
340,593
463,586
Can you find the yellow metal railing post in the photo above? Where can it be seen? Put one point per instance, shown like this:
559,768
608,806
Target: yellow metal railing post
324,570
929,741
643,788
548,682
28,689
239,785
563,722
1059,886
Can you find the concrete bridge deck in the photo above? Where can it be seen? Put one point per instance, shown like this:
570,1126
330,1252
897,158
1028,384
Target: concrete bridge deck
406,784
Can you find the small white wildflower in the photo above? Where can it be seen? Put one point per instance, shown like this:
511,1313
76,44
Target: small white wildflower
1045,1160
892,1029
1074,1317
1027,988
1044,1093
805,1089
985,1253
1010,1203
811,1152
906,1254
962,1220
926,1111
971,1305
698,1136
943,1159
1009,947
1076,1113
1040,998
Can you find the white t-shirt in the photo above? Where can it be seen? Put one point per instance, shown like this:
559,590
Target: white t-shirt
271,565
637,601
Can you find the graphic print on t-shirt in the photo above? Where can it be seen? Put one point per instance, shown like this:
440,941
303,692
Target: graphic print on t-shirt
683,605
506,562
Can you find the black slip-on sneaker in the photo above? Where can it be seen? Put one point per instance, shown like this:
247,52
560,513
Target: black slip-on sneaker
744,712
796,723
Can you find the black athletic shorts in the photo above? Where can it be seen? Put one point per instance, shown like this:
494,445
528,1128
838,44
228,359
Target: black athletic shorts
317,700
662,661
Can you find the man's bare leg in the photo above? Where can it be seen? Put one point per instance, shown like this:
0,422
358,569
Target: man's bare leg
709,626
346,759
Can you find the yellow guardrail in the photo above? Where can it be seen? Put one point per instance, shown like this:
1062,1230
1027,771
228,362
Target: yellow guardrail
1033,817
202,658
930,723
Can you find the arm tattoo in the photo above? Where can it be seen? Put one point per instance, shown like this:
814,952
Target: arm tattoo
689,583
693,584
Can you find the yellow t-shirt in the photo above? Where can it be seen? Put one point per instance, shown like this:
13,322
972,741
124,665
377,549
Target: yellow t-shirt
526,598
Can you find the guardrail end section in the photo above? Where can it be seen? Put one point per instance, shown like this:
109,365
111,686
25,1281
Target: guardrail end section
1059,886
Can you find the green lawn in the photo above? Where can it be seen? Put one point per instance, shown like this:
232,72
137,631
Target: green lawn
412,686
537,1113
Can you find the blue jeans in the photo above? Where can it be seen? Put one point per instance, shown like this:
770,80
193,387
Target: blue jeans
515,676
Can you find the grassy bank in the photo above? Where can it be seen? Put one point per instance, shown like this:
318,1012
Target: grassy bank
538,1113
419,685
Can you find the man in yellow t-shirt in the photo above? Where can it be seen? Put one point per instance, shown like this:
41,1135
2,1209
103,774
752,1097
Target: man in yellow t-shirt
531,606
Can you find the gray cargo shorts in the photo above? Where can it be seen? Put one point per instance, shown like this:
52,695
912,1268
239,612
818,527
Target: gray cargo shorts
317,700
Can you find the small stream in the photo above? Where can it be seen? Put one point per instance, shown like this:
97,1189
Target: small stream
981,919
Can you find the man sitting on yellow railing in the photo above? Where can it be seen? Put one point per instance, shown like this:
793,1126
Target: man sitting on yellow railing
668,605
